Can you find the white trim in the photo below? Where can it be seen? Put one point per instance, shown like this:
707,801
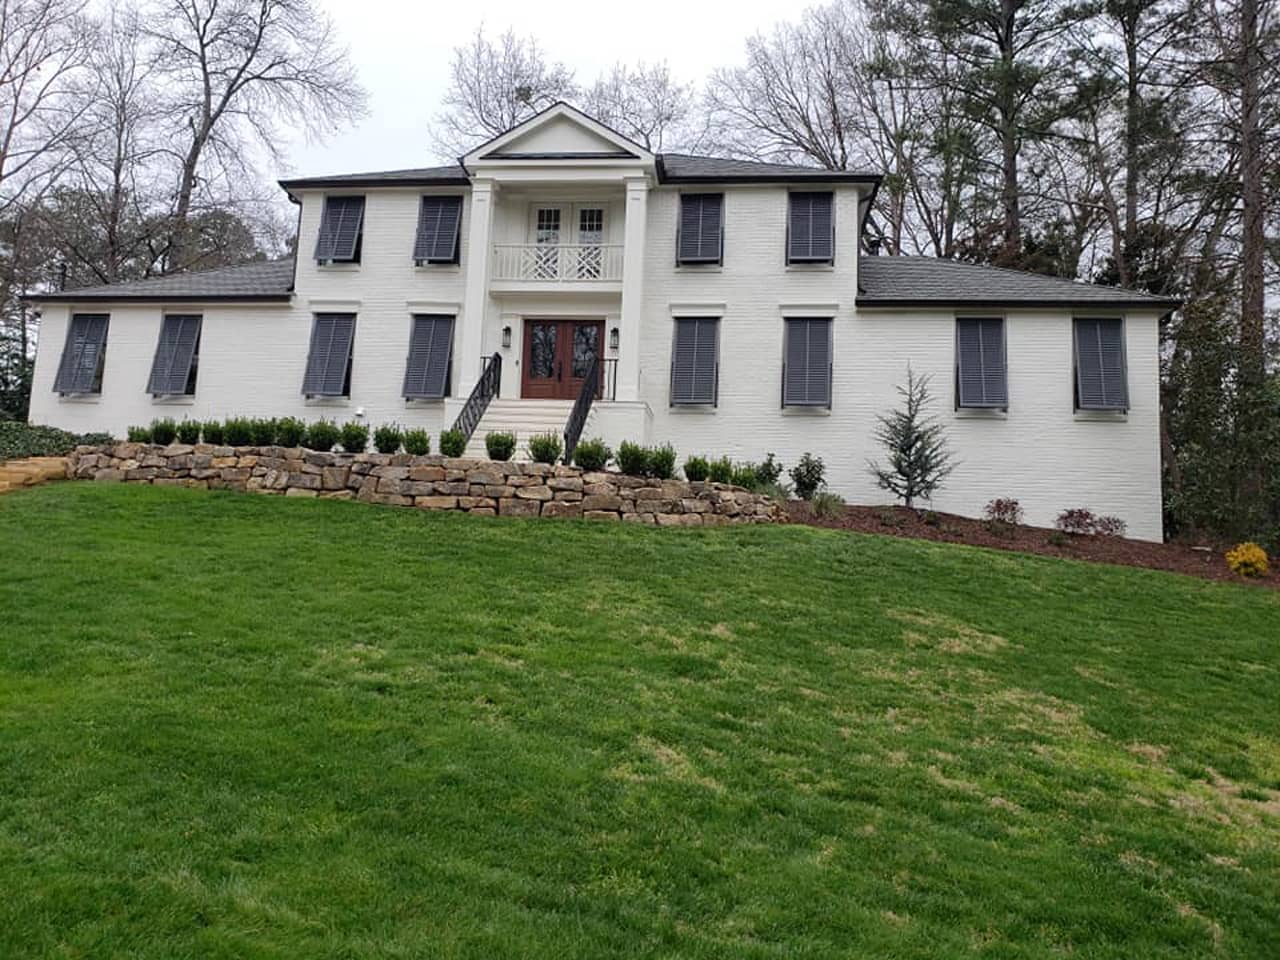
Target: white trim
698,309
799,311
433,306
333,306
485,151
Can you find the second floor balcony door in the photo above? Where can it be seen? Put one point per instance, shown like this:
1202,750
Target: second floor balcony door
546,235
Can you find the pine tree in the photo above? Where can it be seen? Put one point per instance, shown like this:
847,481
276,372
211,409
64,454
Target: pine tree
918,456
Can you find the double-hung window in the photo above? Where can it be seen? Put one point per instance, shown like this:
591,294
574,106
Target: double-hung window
981,373
810,227
1101,380
83,355
700,237
695,363
806,367
341,230
173,370
329,359
439,224
426,374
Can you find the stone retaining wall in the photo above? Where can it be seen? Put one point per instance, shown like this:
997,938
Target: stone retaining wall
485,487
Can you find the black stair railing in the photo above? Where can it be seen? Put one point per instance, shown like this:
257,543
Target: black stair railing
581,409
486,389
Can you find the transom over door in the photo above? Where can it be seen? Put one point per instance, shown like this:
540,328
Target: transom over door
558,356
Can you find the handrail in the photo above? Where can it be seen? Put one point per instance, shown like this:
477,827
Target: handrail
581,409
486,389
557,262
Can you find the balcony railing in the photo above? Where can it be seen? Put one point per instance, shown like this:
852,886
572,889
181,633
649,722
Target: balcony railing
557,262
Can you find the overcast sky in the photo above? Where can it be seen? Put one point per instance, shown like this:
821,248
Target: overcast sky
402,50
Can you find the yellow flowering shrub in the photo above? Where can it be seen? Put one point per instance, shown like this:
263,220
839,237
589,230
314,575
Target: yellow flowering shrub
1248,560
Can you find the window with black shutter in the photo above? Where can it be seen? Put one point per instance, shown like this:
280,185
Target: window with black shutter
810,228
439,224
341,230
83,354
980,363
1101,376
695,365
806,367
173,370
329,359
701,232
426,375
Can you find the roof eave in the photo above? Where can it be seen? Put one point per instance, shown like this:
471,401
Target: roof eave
338,183
1041,302
71,296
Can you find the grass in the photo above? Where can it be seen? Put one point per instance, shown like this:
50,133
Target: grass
252,727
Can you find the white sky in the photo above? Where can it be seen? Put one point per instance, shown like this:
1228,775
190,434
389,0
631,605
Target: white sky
402,50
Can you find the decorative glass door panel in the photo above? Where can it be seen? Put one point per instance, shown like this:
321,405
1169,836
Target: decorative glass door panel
590,239
558,355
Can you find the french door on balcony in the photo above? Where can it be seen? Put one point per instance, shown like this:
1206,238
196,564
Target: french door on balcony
568,241
558,355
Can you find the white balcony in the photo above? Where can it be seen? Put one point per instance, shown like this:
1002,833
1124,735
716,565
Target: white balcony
557,263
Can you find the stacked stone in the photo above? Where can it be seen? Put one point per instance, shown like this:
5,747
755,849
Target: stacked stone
486,487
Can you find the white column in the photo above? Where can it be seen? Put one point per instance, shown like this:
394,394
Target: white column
632,288
469,340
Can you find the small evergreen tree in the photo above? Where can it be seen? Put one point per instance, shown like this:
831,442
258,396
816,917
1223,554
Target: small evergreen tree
918,456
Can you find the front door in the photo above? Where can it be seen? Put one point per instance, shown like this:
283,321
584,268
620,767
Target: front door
558,356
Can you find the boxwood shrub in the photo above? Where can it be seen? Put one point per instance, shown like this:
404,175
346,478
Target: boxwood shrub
353,436
695,468
452,443
592,454
214,432
662,462
238,432
138,434
164,431
417,442
323,435
387,438
720,471
290,432
189,431
500,445
545,447
263,432
633,459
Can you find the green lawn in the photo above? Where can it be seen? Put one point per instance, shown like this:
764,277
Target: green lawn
234,726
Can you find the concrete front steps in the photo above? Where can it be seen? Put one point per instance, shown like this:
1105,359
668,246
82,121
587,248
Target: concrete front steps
31,471
524,418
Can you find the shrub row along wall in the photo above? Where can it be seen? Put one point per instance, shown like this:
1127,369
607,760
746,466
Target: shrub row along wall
488,487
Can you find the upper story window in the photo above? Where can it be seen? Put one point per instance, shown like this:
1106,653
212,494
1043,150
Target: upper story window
439,226
83,354
1101,372
810,227
329,358
341,230
426,374
695,364
981,378
806,367
700,236
173,370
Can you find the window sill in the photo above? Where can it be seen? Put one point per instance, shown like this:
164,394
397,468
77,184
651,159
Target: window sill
79,398
437,267
804,410
341,266
981,413
338,402
699,268
423,403
1101,416
692,409
811,268
173,400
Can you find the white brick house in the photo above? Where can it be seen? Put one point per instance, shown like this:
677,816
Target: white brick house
728,302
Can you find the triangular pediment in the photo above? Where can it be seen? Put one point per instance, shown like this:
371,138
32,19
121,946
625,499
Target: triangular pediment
561,132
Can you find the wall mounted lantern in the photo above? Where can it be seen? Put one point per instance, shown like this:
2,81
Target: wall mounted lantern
506,338
613,339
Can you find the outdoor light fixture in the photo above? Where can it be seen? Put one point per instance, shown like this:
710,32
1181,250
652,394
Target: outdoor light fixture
506,337
613,339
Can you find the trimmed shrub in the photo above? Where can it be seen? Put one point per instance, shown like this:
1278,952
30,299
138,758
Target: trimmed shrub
827,504
354,437
237,432
1005,511
768,471
214,432
323,435
164,431
720,471
138,434
263,432
696,468
745,475
633,459
808,476
500,445
1248,560
387,438
1077,521
1110,527
290,432
545,447
662,462
189,432
417,442
592,454
452,443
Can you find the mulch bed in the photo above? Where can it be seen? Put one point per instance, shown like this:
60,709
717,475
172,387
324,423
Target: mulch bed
949,528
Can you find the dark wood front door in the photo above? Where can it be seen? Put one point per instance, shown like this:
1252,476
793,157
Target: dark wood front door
558,355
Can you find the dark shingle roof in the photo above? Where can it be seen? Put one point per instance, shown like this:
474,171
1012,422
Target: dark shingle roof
263,281
451,175
925,281
684,168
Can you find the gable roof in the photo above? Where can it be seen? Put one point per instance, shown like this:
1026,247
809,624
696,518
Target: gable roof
614,145
887,281
450,175
261,281
687,168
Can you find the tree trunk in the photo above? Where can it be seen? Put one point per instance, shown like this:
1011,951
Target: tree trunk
1132,113
1252,292
1012,228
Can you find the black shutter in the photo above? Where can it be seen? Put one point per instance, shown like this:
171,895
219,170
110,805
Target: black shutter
701,228
806,380
810,237
694,360
1101,381
175,353
83,354
329,359
439,219
426,375
340,230
980,363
